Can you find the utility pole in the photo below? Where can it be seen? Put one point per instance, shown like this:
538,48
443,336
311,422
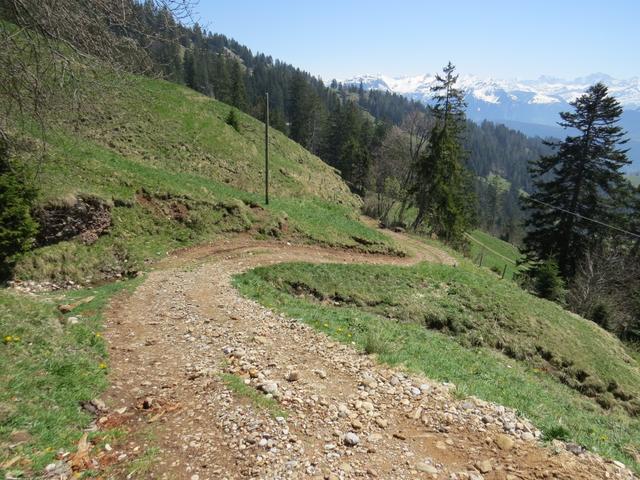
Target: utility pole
266,152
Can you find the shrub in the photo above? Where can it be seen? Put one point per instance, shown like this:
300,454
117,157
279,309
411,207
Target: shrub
232,120
557,433
548,283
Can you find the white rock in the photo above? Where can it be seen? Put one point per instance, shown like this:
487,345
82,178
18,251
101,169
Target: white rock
269,387
351,439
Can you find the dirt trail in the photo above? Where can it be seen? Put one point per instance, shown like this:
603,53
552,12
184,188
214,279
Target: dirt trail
172,341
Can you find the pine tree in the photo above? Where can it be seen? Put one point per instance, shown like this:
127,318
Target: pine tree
582,180
189,69
221,79
238,92
442,186
302,106
17,228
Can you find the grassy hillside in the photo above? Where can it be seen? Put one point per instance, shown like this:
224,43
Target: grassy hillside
464,325
495,253
175,175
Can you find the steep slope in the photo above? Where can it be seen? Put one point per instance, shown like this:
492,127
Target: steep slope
166,168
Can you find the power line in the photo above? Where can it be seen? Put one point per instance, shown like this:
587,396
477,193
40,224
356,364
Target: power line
489,249
627,232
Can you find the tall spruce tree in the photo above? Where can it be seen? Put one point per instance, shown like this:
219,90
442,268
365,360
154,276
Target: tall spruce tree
221,78
581,181
442,183
238,90
17,195
302,106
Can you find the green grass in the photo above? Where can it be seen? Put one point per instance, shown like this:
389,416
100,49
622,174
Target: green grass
496,254
463,325
238,387
334,225
50,369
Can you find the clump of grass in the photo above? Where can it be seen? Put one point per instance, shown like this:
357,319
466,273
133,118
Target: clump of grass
377,340
237,386
557,433
143,464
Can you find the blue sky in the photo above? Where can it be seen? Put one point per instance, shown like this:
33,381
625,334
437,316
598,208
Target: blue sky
499,38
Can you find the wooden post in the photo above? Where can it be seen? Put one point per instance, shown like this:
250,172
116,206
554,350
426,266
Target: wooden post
481,256
504,270
266,151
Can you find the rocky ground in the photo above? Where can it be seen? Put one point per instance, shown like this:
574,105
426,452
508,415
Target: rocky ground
211,385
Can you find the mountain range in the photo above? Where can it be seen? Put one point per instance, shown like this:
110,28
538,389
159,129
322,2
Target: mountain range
530,106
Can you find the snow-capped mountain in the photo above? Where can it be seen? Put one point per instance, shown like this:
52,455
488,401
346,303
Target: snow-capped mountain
543,91
531,106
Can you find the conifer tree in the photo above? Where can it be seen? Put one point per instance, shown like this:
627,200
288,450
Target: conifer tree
634,222
442,183
17,227
582,180
189,69
301,109
221,79
238,91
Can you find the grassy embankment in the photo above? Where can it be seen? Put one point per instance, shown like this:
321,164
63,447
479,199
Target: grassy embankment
465,325
157,150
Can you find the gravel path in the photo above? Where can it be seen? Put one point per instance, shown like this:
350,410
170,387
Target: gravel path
337,414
